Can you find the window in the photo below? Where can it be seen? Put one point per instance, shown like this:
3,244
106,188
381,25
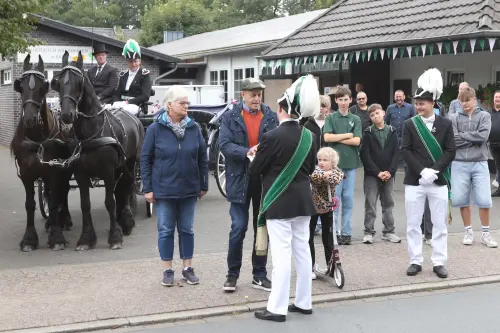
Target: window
239,76
6,77
214,77
455,76
219,78
497,77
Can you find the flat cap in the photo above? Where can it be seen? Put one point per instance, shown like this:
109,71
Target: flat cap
252,83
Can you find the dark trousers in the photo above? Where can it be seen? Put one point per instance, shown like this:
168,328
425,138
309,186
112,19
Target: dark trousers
495,153
239,225
326,234
426,225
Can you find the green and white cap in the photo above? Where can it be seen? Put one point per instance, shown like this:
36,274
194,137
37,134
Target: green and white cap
301,99
131,50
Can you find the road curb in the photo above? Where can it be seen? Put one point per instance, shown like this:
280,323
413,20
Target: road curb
242,308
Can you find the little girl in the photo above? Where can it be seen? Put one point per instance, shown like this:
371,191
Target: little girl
324,180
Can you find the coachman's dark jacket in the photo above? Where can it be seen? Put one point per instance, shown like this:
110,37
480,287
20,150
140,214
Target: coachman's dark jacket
139,90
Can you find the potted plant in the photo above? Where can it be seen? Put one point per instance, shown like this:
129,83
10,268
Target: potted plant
450,92
485,94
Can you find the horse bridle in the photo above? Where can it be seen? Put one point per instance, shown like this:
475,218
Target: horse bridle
31,84
77,71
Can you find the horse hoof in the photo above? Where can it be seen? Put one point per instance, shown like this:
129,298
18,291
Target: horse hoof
82,248
28,248
116,246
58,247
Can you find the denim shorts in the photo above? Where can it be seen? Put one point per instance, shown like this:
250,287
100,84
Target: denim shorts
467,176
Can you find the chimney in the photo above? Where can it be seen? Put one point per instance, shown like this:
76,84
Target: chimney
170,36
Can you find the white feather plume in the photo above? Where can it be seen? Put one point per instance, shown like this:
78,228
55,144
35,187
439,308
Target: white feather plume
309,97
432,81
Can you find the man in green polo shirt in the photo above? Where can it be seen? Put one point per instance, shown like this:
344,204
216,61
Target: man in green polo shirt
342,132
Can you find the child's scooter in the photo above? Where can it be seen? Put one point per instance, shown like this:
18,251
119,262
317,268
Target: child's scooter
334,269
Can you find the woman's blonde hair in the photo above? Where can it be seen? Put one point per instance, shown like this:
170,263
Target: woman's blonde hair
174,94
330,154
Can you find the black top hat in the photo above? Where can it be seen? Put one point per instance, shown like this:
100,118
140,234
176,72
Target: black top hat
100,48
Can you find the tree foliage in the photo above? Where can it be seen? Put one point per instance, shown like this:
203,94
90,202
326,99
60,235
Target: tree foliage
16,24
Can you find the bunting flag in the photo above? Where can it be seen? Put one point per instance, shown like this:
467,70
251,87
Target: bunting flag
305,60
447,47
272,66
481,44
357,56
351,56
315,58
440,46
415,49
389,52
345,56
492,43
394,52
463,45
402,52
283,64
455,44
363,56
423,46
431,49
297,61
375,54
289,67
472,45
382,52
408,48
323,58
334,57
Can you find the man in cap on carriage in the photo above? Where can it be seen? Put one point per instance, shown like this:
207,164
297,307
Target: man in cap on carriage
428,148
134,86
285,159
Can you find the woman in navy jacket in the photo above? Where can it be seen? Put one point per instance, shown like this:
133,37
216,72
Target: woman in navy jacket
174,170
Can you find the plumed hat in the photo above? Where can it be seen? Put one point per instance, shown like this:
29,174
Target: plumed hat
301,99
430,85
131,50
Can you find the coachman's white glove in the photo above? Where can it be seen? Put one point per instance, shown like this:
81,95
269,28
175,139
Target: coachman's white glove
428,176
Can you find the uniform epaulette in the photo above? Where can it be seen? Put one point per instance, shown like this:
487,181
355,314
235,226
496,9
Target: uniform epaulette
123,72
145,71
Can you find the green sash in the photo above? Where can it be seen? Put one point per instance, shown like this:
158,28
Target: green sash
435,151
279,186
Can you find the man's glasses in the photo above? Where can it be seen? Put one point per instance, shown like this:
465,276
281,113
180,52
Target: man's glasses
361,99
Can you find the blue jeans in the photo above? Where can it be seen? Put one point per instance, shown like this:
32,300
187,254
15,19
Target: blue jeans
172,213
239,225
467,176
345,195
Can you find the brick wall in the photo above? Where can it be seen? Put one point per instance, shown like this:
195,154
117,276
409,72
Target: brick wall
9,99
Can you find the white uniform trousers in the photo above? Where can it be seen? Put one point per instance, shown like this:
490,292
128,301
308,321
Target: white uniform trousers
130,108
287,236
415,204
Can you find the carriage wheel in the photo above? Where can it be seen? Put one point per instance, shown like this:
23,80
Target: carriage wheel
338,275
137,179
149,209
220,172
43,200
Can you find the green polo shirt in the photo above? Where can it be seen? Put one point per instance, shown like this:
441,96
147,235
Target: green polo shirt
336,123
381,134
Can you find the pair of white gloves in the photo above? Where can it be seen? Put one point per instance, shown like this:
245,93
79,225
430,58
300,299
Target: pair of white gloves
428,176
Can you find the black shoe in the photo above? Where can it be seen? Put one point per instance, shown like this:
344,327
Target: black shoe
496,193
266,315
230,284
294,308
346,240
262,283
440,271
339,239
413,270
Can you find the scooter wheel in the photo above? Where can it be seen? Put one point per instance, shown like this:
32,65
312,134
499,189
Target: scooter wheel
338,276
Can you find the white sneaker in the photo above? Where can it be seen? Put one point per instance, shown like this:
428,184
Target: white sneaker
428,242
468,238
487,240
391,238
368,239
314,277
495,183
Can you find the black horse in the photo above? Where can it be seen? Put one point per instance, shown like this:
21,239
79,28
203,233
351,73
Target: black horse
39,135
110,143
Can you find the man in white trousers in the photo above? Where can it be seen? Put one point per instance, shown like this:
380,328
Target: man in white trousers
428,148
285,159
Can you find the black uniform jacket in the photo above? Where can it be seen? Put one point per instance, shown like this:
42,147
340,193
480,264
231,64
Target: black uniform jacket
105,83
139,90
275,150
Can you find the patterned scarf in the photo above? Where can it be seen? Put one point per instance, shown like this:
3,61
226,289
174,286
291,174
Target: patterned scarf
178,128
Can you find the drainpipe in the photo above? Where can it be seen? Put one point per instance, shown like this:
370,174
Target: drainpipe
165,74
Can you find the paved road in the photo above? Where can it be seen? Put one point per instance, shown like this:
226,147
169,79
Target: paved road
434,312
212,225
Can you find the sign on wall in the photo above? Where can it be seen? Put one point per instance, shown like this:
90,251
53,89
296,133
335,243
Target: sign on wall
52,54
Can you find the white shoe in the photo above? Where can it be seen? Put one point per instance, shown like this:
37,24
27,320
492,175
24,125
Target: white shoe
368,239
428,242
314,277
487,240
495,183
391,238
468,238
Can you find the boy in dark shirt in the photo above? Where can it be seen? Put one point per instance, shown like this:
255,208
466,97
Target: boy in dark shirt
379,153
